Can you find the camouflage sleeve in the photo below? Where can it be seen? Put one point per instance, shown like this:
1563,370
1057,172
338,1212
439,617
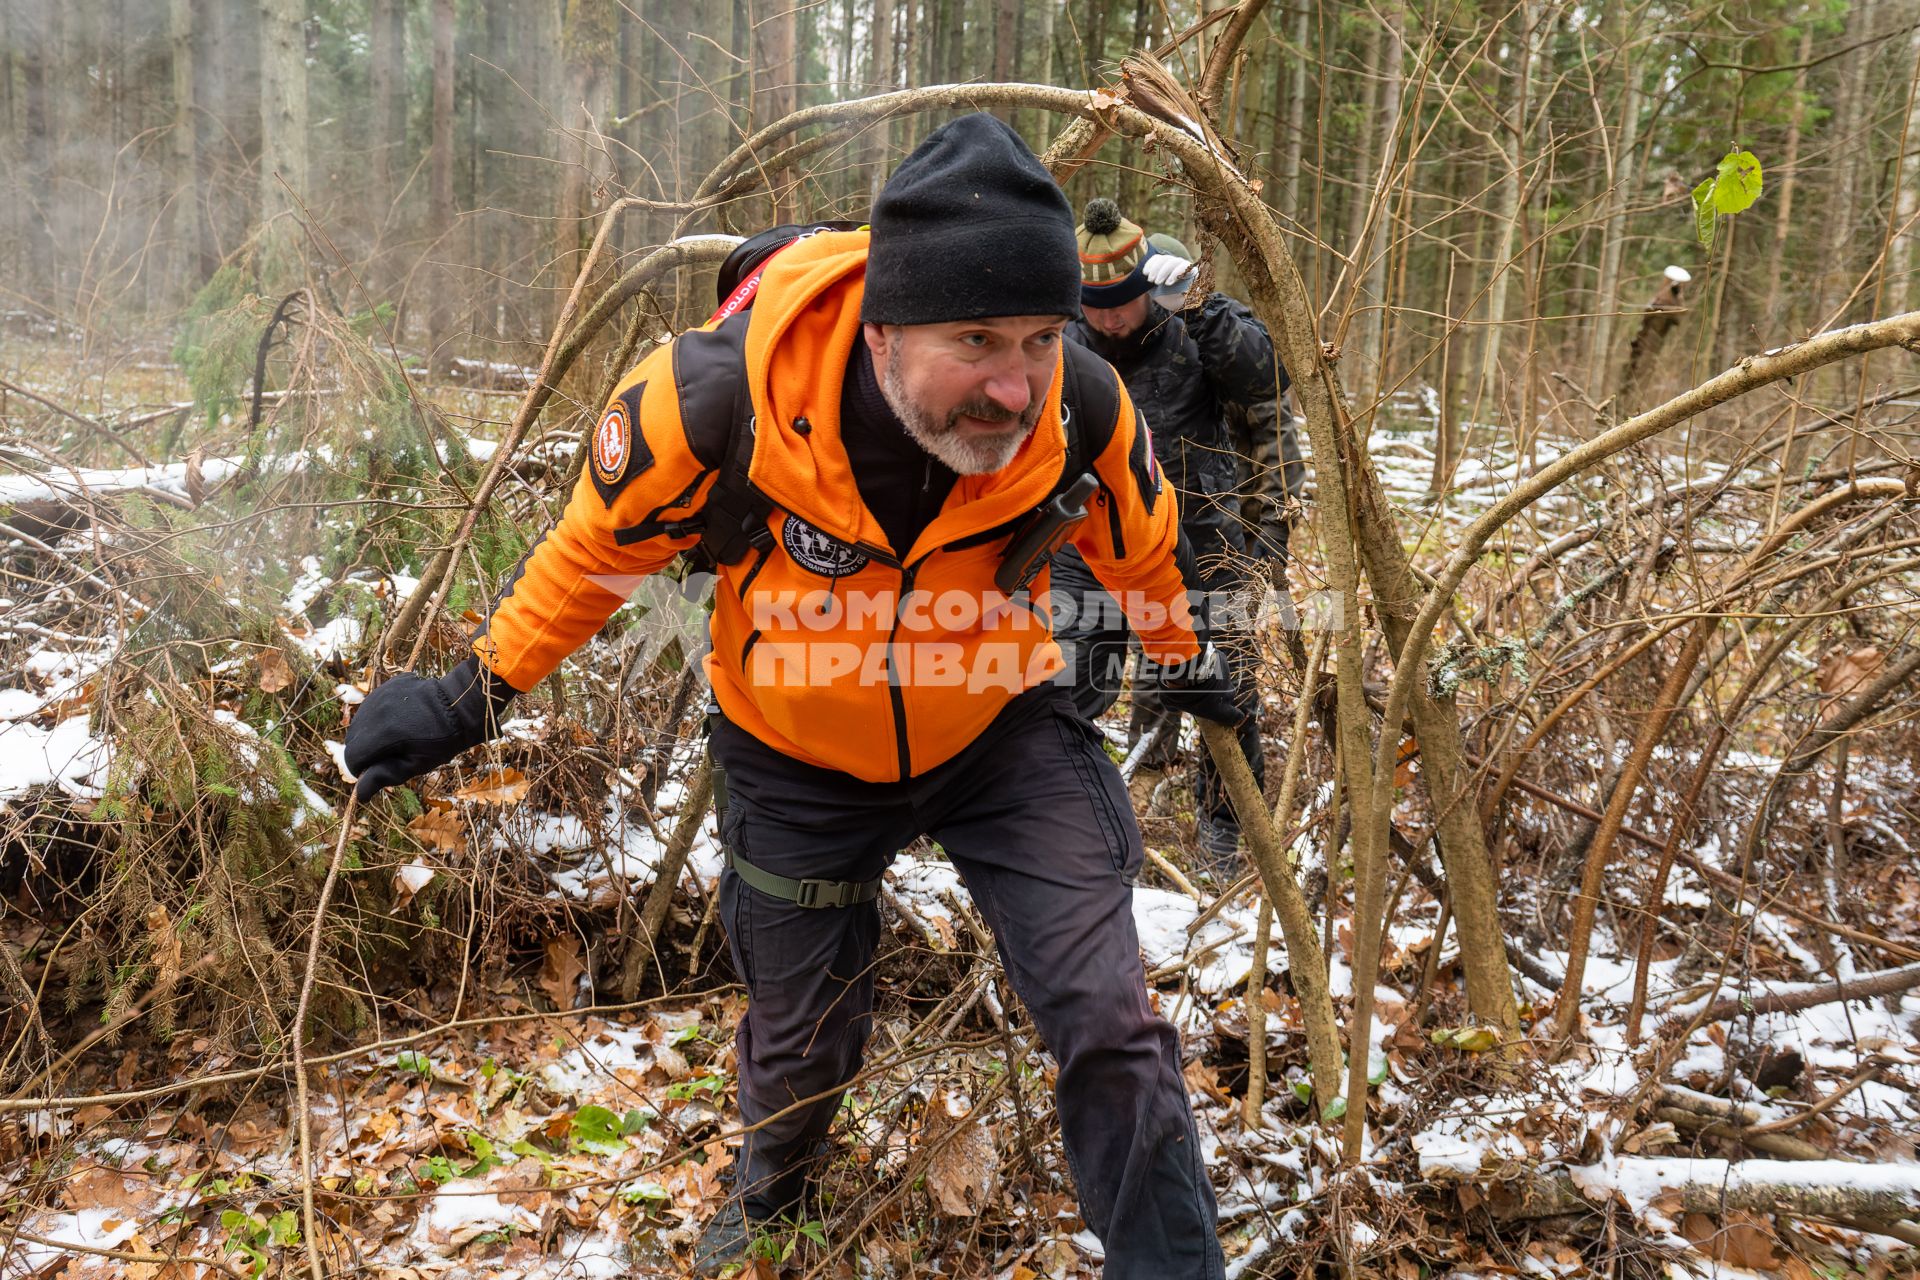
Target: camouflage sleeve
1269,474
1236,351
1250,381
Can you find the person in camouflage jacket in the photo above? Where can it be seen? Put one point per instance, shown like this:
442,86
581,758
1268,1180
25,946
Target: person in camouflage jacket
1203,375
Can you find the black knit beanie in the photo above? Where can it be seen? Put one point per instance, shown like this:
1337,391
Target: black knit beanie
970,227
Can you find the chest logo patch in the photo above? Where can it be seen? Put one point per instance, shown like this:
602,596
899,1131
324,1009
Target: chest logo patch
815,552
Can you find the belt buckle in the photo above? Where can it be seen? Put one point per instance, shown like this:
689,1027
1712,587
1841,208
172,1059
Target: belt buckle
810,893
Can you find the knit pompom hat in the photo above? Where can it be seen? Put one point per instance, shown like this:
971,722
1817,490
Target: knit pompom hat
1112,251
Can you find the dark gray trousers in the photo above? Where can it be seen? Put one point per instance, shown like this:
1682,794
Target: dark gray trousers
1037,823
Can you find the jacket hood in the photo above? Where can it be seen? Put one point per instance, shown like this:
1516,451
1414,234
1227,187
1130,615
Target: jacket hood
805,321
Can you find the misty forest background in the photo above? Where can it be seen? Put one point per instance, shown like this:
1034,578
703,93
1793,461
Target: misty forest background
454,155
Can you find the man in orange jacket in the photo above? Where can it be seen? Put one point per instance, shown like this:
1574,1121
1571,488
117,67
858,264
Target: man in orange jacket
909,415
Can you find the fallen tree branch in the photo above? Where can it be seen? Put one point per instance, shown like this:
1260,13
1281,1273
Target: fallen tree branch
120,1255
1812,995
1860,1077
1869,1197
1719,1118
1173,873
1770,1144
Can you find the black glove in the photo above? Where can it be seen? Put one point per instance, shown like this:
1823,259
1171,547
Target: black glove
1202,686
1270,542
411,725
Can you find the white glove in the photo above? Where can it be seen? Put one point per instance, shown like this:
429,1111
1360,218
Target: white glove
1168,271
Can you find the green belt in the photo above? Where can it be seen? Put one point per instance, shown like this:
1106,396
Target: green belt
805,893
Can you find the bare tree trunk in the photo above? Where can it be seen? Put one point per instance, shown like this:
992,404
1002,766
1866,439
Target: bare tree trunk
388,33
1783,210
283,135
1039,38
1448,445
880,76
908,56
1847,144
775,48
186,179
1006,19
1296,112
1905,264
1372,322
1506,217
588,41
440,185
1360,177
1607,287
38,45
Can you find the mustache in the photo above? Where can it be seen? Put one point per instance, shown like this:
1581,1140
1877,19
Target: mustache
985,410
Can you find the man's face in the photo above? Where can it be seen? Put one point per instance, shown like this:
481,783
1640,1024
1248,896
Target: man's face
1122,321
969,392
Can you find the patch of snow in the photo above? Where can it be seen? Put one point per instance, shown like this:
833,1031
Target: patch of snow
331,640
93,1228
67,755
590,1067
308,588
1089,1244
461,1210
591,1258
18,704
1453,1144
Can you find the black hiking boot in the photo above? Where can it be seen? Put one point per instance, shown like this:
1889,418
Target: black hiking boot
723,1241
1219,843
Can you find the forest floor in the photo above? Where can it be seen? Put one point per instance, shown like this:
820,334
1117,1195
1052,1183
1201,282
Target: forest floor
485,1103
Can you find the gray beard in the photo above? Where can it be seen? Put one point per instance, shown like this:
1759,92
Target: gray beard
968,455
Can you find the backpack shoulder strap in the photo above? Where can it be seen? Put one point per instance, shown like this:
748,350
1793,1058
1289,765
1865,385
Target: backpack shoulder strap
1090,405
716,414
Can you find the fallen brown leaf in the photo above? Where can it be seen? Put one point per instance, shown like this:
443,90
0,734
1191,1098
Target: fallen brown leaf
275,674
1843,673
561,968
1742,1240
502,786
440,828
960,1176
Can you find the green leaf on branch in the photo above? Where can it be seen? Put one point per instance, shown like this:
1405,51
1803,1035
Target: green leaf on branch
1733,188
1703,213
1737,185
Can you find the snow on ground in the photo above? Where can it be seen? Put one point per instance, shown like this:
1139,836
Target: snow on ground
67,755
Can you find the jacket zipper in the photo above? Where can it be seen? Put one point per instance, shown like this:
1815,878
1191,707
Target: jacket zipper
894,689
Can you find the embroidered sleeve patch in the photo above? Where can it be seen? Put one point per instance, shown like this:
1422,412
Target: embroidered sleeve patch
618,451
